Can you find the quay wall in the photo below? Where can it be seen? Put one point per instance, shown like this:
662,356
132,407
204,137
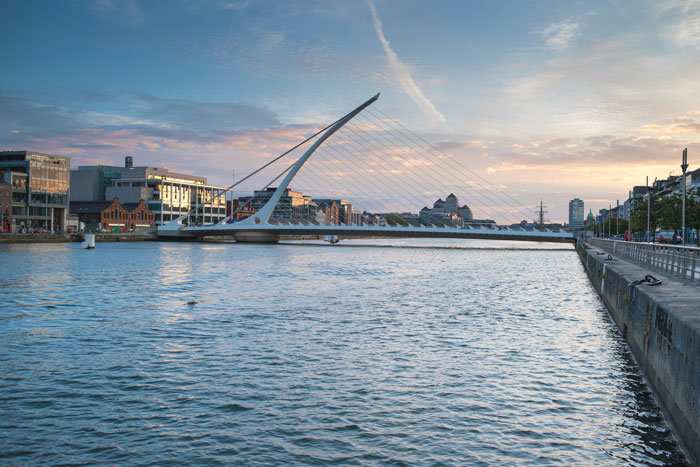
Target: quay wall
37,238
125,237
661,325
64,238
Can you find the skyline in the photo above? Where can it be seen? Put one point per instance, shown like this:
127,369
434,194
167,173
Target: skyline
550,100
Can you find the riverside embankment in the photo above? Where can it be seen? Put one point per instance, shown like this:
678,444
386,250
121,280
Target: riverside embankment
661,325
65,238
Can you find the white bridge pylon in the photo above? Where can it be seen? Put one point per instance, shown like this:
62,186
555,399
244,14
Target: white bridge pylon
263,216
257,228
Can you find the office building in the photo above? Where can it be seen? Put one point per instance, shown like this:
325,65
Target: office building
446,212
90,182
167,194
576,213
451,203
40,189
346,214
236,211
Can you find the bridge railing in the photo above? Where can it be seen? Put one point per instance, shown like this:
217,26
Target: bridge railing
675,260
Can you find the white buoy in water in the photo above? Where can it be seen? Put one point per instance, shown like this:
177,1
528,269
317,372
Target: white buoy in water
89,242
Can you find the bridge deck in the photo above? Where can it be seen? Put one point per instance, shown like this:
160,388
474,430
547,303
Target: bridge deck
372,231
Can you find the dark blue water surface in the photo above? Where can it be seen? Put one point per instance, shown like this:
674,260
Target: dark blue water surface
311,355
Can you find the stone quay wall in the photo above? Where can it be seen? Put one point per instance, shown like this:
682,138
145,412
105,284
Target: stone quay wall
661,325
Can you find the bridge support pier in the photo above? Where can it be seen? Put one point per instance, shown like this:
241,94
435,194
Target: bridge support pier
255,237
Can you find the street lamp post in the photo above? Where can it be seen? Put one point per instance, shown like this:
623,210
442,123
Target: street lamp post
684,167
609,220
648,211
617,219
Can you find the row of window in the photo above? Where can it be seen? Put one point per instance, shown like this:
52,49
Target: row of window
168,207
31,211
172,217
122,215
48,176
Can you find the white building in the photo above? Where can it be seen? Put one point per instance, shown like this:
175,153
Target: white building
170,195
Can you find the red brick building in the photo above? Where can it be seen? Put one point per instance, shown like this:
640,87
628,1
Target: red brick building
233,207
5,207
328,214
112,215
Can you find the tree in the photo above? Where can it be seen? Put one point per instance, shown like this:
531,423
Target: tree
668,213
692,211
665,214
638,217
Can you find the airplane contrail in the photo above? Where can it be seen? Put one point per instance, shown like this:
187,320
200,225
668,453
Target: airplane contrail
403,73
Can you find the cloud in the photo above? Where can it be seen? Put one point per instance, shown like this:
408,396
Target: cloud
211,116
613,86
450,145
559,35
689,123
403,73
154,124
597,153
680,21
207,138
675,128
126,13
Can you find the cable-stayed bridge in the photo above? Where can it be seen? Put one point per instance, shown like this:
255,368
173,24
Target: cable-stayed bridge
381,166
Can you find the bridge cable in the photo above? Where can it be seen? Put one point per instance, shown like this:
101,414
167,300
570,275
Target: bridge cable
446,155
397,154
342,150
321,157
282,155
427,167
483,195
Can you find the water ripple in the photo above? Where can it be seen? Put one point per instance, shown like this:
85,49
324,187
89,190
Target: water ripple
454,353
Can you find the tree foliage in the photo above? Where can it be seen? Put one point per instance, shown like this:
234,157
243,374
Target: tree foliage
666,213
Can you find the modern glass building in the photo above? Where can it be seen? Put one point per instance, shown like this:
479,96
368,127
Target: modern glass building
40,189
576,213
169,195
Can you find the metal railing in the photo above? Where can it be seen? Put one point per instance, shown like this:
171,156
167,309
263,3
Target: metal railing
675,260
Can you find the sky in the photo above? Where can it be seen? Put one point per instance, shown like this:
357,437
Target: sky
546,99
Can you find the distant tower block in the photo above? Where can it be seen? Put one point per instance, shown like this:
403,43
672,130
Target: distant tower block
128,162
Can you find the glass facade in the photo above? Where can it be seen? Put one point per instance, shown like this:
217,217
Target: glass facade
205,204
40,189
47,174
170,195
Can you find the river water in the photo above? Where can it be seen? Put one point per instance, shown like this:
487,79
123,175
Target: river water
446,353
